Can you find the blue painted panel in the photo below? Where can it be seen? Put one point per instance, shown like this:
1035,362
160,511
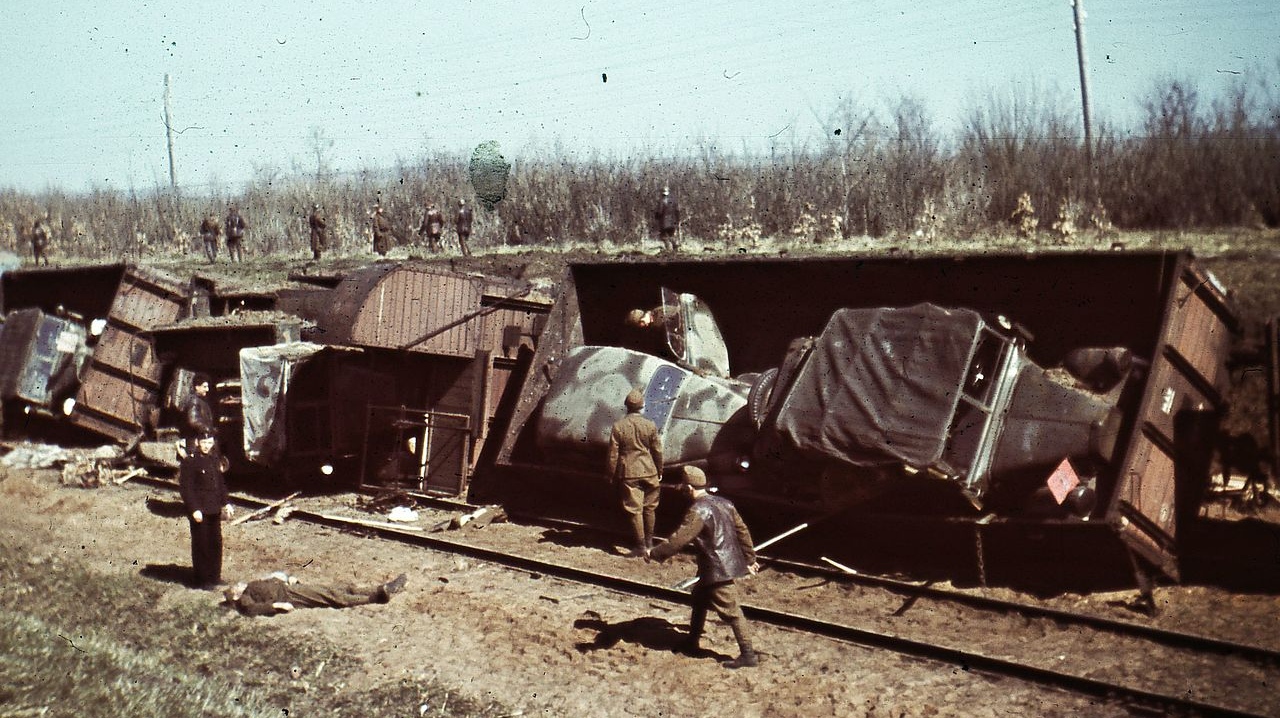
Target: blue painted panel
660,394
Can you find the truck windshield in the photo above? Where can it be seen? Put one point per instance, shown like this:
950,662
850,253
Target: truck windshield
693,335
973,411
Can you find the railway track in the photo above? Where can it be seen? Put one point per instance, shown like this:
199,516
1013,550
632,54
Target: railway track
1131,696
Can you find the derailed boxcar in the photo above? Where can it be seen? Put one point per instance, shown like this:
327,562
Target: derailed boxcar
1146,336
416,367
117,304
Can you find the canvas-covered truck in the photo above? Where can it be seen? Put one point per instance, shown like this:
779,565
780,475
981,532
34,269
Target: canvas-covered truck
1077,393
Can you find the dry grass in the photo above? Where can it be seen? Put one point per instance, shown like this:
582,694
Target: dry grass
75,643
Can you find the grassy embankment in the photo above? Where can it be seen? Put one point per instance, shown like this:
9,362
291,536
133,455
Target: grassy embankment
74,643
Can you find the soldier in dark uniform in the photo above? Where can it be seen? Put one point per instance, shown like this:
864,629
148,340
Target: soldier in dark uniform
432,227
209,231
40,241
462,223
668,216
198,419
725,554
281,593
235,228
382,232
635,465
318,233
204,496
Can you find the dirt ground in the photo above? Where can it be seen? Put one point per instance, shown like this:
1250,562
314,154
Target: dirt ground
539,644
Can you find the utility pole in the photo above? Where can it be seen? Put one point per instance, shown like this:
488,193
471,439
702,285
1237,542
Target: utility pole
168,129
1078,6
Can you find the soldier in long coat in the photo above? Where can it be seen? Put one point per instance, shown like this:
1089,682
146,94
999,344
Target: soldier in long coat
40,241
204,496
382,232
318,231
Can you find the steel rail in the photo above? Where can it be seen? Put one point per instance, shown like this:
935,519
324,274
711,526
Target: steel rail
1164,636
1175,639
966,660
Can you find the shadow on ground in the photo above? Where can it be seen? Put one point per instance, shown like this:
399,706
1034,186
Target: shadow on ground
168,573
580,538
653,633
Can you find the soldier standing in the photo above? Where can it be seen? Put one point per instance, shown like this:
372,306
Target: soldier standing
235,227
40,241
668,216
318,238
635,465
382,232
725,554
204,495
196,412
432,227
209,231
462,223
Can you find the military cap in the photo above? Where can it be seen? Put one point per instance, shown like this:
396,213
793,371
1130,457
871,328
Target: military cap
635,400
635,316
694,476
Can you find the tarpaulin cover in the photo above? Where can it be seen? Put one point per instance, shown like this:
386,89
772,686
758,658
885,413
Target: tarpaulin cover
264,379
880,385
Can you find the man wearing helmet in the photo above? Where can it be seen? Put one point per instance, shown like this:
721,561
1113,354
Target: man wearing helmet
668,217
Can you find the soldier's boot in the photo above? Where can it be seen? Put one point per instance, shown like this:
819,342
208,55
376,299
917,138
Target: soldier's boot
747,657
638,549
689,645
391,588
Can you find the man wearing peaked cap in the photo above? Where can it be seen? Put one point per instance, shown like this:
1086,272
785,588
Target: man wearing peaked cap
635,465
725,554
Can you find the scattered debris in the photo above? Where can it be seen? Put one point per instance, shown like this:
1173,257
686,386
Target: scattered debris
402,514
385,500
370,524
477,519
44,456
265,509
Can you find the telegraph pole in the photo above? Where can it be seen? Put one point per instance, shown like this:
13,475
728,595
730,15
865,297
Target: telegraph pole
1078,6
168,129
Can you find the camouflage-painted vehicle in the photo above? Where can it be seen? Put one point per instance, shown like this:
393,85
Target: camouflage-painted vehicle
882,396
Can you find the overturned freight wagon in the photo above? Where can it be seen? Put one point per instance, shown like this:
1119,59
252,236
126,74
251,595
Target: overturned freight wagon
211,345
117,387
407,371
992,396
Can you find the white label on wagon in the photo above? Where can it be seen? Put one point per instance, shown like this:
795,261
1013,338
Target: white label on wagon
66,342
1166,401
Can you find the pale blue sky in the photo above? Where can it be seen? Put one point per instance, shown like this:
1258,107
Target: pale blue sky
82,80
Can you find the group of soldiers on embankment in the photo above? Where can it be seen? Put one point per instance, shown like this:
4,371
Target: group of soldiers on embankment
233,228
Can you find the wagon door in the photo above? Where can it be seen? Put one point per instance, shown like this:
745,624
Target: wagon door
1167,466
